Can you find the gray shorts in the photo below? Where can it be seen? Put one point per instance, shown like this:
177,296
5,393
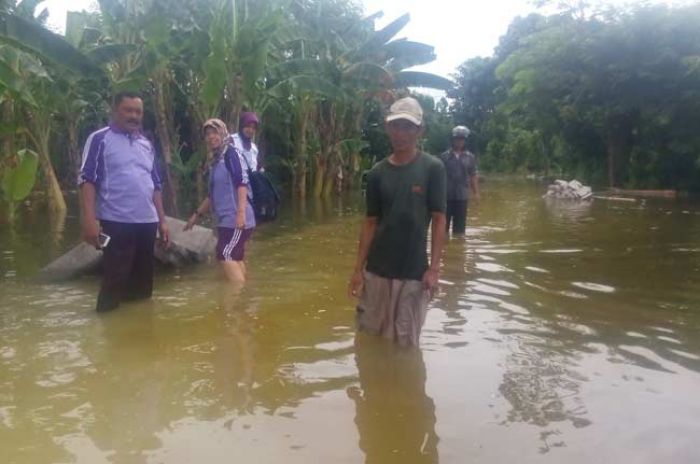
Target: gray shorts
392,308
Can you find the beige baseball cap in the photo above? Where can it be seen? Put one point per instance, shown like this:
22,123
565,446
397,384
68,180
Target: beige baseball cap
406,108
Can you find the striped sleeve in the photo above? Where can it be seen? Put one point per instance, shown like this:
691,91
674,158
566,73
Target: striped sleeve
232,158
92,167
155,172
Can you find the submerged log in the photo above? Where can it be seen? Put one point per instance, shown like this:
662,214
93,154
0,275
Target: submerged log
646,193
611,198
185,248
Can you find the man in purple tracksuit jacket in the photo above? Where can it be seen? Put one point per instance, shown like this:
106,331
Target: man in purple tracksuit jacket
121,188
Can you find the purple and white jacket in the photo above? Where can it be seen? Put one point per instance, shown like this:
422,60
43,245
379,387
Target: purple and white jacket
123,168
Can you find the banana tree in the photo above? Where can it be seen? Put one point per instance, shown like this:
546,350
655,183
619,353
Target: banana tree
29,48
362,66
31,107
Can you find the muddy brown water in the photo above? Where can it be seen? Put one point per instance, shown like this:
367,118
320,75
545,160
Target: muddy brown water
560,334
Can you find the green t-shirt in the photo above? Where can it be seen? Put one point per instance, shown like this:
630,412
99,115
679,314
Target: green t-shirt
403,198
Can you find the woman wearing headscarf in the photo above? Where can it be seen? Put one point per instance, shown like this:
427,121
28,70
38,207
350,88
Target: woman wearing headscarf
228,200
243,139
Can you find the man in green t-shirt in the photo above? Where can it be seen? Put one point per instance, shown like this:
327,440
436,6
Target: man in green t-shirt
405,194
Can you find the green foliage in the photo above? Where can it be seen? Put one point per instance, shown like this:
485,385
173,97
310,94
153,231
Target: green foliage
316,71
18,180
608,95
18,177
31,37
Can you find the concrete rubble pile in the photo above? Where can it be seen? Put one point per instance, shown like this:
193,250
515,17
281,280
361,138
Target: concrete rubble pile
573,190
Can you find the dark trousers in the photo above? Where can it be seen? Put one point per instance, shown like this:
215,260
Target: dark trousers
127,265
457,215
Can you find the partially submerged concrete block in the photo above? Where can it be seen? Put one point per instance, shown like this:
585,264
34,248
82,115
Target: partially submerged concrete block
185,248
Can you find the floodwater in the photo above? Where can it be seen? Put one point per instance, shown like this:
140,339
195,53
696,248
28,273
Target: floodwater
559,335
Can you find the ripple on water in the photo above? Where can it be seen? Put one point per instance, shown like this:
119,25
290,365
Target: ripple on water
479,287
576,295
56,379
7,352
645,357
491,267
562,250
475,302
499,283
537,269
498,251
685,354
594,287
662,329
336,345
321,370
669,340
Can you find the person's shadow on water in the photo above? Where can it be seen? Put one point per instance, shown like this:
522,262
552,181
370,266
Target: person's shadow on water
395,417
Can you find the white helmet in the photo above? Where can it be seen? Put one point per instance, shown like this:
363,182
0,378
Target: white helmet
460,131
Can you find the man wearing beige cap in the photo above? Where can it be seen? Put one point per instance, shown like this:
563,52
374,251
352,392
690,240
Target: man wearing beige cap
405,194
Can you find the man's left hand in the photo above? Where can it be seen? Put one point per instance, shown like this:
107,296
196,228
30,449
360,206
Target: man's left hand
164,232
430,281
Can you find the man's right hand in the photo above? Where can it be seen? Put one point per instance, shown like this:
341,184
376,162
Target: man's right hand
91,233
355,285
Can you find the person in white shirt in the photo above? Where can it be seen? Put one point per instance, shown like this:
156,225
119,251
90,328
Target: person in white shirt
243,140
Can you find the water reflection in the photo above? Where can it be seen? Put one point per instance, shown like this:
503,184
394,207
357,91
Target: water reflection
395,417
567,212
127,391
234,360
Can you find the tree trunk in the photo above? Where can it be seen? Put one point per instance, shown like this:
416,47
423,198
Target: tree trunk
331,172
354,173
327,133
39,133
611,166
73,151
618,140
53,188
198,150
8,140
237,103
300,155
319,174
165,131
199,182
300,176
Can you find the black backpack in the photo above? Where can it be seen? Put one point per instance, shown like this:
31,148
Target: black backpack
265,199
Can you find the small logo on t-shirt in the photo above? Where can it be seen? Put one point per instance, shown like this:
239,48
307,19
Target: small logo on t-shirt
418,189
